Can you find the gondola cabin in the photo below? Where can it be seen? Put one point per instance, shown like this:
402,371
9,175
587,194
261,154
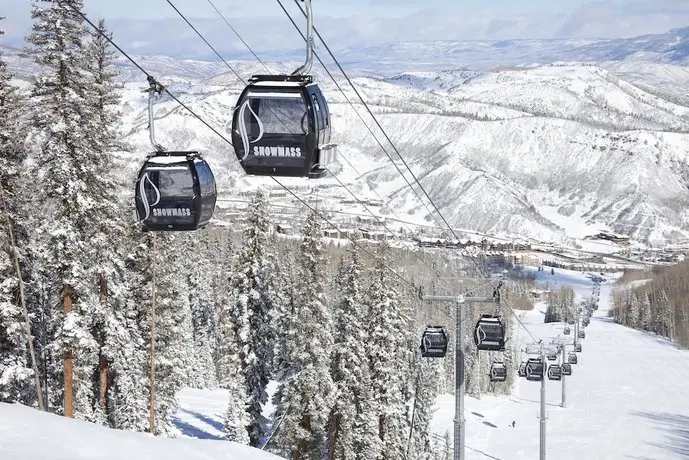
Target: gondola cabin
522,369
498,372
434,342
582,334
566,331
281,127
552,356
554,372
175,191
489,334
572,358
534,370
577,347
566,369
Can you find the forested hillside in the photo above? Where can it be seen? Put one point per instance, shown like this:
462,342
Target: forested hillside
656,303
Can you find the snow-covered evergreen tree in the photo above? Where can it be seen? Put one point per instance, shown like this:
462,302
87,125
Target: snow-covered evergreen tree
388,356
200,271
305,393
15,371
236,425
633,310
67,167
350,369
645,312
420,446
107,235
253,286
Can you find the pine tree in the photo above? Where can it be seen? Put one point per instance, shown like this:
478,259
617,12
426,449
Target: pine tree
424,399
237,421
645,312
200,268
108,232
387,356
253,285
306,390
350,370
15,371
66,169
633,310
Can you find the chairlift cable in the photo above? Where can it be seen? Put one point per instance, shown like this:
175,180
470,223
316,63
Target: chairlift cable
366,106
368,127
238,35
138,66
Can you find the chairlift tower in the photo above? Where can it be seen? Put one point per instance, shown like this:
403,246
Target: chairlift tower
459,421
540,351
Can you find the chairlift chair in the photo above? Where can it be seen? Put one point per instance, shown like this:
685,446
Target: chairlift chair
554,372
489,334
434,342
498,372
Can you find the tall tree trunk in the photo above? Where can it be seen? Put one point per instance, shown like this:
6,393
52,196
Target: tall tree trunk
68,358
303,447
103,365
334,432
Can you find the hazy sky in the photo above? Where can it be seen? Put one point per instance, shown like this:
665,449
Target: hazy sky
152,26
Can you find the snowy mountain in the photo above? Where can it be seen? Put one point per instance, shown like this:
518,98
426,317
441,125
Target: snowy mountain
548,153
669,48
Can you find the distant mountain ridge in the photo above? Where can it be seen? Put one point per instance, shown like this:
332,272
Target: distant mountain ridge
671,47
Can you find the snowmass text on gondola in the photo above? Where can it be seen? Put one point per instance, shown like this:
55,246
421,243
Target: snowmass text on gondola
277,151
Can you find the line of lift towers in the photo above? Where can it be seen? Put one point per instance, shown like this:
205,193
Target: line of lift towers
489,335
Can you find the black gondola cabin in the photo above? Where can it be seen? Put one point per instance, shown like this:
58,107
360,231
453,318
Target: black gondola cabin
572,358
534,370
566,369
281,127
554,372
577,347
489,334
434,342
175,191
498,372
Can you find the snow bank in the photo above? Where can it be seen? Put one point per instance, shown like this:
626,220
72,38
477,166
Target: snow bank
28,434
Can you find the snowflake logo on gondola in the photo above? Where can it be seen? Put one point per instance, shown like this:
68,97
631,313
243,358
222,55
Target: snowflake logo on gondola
244,132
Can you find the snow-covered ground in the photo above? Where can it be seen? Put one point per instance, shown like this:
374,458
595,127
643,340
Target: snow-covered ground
626,398
28,434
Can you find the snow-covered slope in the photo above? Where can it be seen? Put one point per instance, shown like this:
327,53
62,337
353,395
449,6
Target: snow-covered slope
28,434
625,399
